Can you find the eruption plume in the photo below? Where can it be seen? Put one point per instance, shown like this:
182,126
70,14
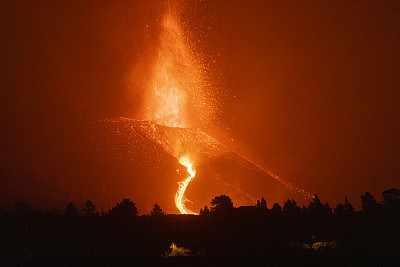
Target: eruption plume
176,91
168,101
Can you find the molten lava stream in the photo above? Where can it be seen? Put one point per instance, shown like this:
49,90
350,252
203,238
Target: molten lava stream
180,194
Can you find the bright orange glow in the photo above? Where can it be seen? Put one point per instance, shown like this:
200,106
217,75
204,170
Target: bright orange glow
179,94
168,99
180,194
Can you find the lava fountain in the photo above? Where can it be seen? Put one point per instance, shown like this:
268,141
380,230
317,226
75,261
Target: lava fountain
175,89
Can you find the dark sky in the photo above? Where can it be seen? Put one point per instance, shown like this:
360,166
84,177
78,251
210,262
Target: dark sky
318,90
310,90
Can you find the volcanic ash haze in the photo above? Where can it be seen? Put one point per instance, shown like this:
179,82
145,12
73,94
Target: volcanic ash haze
105,160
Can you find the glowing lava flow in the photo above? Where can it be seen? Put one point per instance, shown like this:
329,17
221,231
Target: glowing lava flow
179,196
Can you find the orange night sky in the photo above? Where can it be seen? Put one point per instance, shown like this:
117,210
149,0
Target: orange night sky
307,90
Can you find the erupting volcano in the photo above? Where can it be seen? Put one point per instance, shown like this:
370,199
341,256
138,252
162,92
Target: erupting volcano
166,155
177,99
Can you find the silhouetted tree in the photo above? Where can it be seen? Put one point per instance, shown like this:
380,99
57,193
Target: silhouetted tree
327,208
262,203
369,204
157,211
71,210
344,209
391,199
89,208
340,209
276,208
126,208
290,207
221,203
315,205
205,211
22,208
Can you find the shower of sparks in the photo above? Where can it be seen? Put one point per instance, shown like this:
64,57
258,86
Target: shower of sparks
168,102
292,188
177,94
180,194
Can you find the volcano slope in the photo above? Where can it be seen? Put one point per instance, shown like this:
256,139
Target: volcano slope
218,169
74,157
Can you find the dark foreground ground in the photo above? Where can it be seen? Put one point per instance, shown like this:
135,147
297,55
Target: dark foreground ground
245,238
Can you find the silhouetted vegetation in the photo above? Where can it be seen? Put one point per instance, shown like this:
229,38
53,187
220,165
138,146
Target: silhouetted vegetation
290,207
345,209
391,200
205,211
221,204
262,203
71,210
369,204
89,209
125,209
276,208
157,211
287,235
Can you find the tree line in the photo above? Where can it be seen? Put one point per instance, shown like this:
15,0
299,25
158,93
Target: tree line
287,234
223,205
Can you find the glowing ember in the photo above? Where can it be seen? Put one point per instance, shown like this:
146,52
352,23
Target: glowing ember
180,194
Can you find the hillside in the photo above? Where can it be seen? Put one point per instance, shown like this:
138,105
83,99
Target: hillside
73,158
